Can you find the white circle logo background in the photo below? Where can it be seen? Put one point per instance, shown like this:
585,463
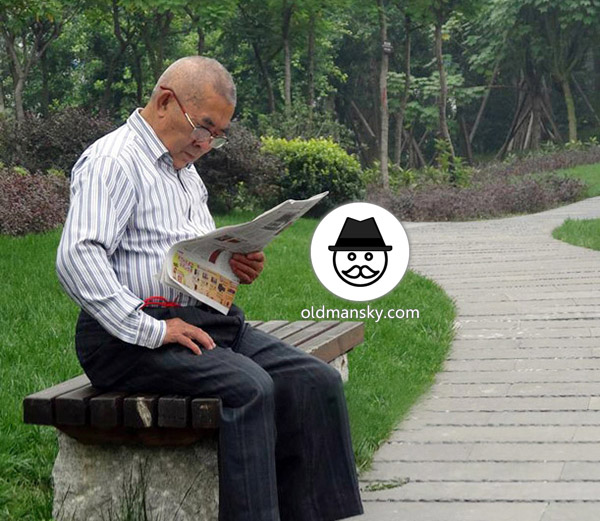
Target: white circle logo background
327,234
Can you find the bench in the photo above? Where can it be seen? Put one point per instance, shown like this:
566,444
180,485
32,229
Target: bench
90,422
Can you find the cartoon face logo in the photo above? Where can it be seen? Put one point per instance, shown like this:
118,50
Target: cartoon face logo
360,255
360,268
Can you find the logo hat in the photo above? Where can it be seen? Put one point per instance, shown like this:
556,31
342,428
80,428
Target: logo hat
360,236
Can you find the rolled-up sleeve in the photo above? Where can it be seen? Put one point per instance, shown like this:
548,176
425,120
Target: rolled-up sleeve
102,201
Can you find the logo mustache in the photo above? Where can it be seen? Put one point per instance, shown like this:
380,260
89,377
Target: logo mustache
360,271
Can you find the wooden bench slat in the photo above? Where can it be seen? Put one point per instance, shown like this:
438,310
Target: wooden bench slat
38,408
312,331
272,325
206,413
336,341
254,323
140,411
72,408
174,411
291,328
106,410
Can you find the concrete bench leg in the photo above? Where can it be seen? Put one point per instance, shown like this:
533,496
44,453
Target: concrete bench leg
341,365
102,482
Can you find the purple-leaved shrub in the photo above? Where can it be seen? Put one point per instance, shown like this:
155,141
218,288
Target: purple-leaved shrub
31,203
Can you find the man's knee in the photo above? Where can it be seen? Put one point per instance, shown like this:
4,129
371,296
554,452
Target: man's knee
254,386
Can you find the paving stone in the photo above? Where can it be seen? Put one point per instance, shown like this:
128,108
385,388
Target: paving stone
567,363
490,491
391,451
524,332
491,353
462,390
465,470
581,470
571,512
448,511
545,418
489,433
555,389
587,433
536,452
447,417
562,342
504,404
522,375
479,365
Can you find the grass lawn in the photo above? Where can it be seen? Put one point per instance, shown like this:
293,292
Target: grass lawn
579,232
388,372
588,173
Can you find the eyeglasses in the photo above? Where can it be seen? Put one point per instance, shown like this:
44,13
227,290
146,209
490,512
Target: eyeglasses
199,133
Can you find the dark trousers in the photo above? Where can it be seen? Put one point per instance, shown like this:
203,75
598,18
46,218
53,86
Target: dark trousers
285,451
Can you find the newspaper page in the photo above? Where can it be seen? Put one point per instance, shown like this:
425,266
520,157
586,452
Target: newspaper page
200,267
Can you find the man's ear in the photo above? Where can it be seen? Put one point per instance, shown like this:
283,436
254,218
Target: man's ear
162,103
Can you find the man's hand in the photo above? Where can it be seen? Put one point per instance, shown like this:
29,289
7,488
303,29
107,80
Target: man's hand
247,267
180,332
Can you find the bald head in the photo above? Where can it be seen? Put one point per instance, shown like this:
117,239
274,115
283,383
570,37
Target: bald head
193,77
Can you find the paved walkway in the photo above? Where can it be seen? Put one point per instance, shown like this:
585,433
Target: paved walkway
510,431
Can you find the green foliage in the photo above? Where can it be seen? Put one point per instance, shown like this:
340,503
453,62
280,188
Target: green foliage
399,177
20,170
452,169
305,124
316,165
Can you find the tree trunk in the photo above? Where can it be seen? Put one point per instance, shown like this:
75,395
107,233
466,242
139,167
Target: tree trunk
200,44
45,92
287,17
443,98
265,74
570,103
465,133
400,116
398,134
383,102
311,67
19,109
2,100
536,133
484,101
586,99
139,78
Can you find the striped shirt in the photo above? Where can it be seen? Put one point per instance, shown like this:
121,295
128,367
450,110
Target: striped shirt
128,206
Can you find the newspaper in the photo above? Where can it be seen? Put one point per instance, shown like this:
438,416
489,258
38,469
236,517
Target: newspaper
200,267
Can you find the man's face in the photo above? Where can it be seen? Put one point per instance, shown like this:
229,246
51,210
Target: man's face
214,112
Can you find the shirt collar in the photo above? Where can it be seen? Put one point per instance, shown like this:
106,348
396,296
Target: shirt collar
154,147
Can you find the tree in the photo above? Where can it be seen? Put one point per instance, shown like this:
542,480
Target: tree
568,29
28,28
386,50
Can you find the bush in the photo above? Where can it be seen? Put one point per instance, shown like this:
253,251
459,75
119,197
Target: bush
501,197
52,142
31,203
315,165
239,175
542,161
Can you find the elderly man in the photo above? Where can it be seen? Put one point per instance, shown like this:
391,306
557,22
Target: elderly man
285,451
